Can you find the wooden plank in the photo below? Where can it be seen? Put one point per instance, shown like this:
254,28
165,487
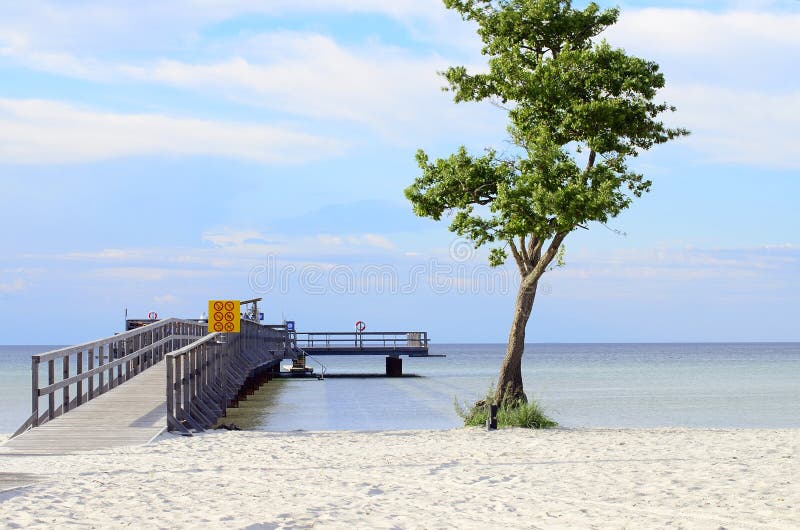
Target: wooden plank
129,414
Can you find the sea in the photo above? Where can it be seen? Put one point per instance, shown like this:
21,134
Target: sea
737,385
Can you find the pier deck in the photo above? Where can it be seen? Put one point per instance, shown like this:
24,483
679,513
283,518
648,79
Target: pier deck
129,414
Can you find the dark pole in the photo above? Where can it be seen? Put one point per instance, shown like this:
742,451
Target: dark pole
491,419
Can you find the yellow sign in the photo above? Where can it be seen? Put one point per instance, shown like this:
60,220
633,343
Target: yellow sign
223,316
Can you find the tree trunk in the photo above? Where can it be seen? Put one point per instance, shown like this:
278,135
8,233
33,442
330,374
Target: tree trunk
509,383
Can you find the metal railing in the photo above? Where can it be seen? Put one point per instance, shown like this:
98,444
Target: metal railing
205,376
349,340
83,372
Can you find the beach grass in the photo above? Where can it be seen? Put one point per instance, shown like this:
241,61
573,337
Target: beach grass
530,415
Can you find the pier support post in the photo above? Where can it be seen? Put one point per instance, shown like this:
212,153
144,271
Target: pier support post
394,366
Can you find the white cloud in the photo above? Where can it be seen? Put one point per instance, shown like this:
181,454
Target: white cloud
307,75
105,254
313,76
732,75
40,132
699,35
147,274
683,264
378,241
156,25
234,238
166,299
13,286
329,240
739,126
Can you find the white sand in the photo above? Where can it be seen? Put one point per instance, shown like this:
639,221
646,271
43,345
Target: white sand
465,478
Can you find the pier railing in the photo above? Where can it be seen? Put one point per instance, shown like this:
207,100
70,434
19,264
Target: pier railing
204,377
83,372
365,340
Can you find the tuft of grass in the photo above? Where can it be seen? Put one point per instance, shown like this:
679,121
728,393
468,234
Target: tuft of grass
529,415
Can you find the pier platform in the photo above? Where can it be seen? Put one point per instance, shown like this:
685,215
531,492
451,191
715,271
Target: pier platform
391,343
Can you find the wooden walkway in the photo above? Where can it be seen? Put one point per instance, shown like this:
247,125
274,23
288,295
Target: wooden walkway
129,414
170,374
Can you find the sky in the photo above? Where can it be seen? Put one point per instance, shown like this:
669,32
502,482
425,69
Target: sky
154,155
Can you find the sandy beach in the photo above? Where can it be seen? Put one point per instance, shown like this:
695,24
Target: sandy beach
465,478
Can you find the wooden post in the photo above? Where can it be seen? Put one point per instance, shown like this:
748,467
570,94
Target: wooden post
112,354
170,390
394,366
193,364
122,345
51,380
65,404
101,375
90,394
178,391
187,385
35,391
79,384
136,343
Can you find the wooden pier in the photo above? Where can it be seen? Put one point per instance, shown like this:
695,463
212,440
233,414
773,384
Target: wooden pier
170,375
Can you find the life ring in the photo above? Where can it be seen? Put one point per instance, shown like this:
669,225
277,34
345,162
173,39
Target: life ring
152,315
361,326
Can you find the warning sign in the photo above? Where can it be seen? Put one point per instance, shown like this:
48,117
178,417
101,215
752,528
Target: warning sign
223,316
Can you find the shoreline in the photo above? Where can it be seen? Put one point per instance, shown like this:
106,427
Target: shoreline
464,477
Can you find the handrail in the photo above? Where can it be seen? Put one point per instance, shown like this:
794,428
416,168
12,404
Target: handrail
363,340
101,365
204,377
94,371
54,354
324,368
398,333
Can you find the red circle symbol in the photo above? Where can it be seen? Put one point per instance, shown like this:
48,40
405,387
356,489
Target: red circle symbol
218,306
361,326
228,326
229,317
217,316
152,315
217,326
228,306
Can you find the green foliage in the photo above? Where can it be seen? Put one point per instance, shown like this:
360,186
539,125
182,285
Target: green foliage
529,415
577,109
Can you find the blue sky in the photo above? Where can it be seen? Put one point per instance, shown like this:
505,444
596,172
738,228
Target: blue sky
154,155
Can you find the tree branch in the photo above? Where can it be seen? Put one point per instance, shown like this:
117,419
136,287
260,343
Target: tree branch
535,248
523,269
547,257
590,162
524,251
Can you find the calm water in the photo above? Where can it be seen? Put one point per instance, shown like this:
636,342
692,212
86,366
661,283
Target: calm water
581,385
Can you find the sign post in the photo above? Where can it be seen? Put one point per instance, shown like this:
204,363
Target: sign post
223,316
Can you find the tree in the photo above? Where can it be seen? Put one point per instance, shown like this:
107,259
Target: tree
578,109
